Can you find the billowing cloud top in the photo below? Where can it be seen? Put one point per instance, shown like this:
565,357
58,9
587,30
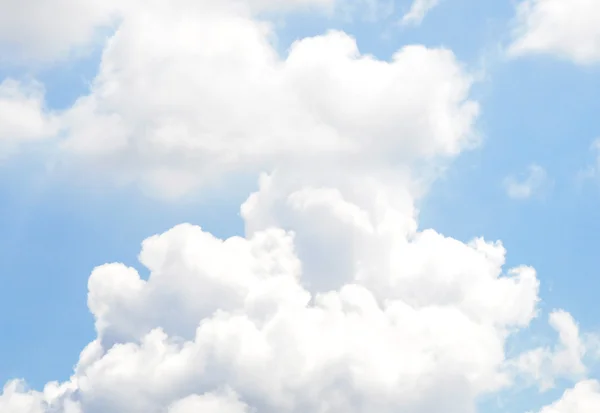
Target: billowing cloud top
567,28
173,108
334,300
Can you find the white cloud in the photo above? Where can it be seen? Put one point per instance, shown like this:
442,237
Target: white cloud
545,365
23,117
50,30
525,187
47,29
219,314
336,311
418,10
210,403
566,28
334,300
172,109
583,398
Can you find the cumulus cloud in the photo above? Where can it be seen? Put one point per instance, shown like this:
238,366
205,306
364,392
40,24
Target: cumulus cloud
566,360
333,300
583,398
172,109
45,30
23,116
527,186
50,30
569,29
417,12
54,29
229,324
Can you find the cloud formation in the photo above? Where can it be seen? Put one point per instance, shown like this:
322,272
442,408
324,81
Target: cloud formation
417,12
334,300
527,186
23,116
34,31
545,365
216,315
569,29
172,110
583,398
175,108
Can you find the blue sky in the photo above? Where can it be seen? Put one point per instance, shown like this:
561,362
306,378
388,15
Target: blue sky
535,109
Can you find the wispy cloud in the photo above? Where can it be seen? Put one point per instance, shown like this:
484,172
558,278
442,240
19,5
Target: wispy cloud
523,187
418,11
591,171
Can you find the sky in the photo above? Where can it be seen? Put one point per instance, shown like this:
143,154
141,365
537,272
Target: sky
259,206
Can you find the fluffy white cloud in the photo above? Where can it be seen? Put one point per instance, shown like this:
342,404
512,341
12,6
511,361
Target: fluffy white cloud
525,187
333,300
566,28
583,398
418,10
17,398
47,30
544,365
235,315
23,116
172,108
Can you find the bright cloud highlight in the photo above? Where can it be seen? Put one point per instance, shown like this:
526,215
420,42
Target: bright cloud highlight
23,116
569,29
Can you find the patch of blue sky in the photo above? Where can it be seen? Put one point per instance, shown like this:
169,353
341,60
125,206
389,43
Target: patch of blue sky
53,235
